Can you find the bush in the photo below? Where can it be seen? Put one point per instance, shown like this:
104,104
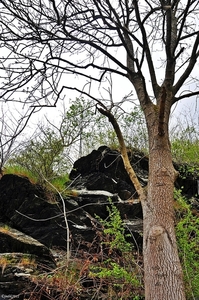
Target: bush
118,268
187,233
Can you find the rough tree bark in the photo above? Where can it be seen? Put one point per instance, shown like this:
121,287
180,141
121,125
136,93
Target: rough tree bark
162,268
163,272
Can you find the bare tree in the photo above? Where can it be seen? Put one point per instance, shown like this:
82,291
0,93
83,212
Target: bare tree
12,124
54,145
154,45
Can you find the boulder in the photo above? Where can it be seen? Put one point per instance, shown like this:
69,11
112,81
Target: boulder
21,257
29,208
109,162
15,241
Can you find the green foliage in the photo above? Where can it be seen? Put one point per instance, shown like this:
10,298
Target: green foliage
185,140
41,157
189,170
185,151
79,130
187,233
131,123
120,274
60,182
88,127
119,269
113,228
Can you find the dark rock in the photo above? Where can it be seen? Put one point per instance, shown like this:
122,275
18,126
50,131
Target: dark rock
96,178
16,270
189,186
15,241
21,257
187,181
103,160
100,181
25,206
28,210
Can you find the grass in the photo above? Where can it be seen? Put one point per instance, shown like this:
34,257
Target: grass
18,170
60,182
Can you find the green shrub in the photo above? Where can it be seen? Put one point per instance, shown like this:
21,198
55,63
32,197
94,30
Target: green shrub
118,268
187,233
185,145
113,229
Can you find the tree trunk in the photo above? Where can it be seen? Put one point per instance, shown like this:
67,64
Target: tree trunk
163,273
162,268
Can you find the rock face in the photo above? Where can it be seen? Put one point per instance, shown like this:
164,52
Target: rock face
104,169
94,179
32,220
26,207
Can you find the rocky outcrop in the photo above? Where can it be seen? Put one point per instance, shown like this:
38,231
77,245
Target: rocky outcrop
104,169
94,179
28,208
32,219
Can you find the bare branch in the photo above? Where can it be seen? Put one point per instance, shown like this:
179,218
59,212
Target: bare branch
191,65
124,153
171,38
147,51
185,96
161,130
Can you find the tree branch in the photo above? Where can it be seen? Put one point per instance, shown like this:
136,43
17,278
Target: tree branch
187,95
155,86
171,38
183,22
161,130
187,72
124,153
